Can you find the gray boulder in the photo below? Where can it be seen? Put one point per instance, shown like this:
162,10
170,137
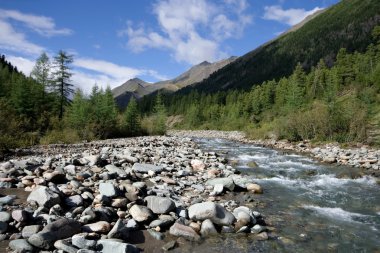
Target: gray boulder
184,231
160,205
60,229
144,168
21,246
115,246
209,210
227,182
44,197
208,228
107,189
141,213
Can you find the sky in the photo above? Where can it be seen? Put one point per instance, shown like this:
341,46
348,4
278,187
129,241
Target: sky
114,41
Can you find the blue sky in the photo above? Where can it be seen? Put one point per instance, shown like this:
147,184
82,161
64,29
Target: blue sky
113,41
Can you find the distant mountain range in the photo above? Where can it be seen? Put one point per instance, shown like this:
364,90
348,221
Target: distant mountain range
138,88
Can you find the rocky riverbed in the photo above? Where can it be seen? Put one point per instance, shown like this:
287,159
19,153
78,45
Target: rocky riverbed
366,159
102,196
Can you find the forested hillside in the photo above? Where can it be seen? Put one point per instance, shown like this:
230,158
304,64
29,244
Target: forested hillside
347,24
337,103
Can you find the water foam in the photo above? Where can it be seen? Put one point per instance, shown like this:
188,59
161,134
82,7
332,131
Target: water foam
335,213
331,180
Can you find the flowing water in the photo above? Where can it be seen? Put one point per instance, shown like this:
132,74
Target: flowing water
312,205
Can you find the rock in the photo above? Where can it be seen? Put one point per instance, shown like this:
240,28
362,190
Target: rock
227,182
60,229
197,165
329,159
28,231
163,221
54,177
119,202
160,205
243,216
209,210
112,246
169,246
65,246
252,164
156,235
97,227
132,224
255,188
208,228
218,189
21,246
119,231
3,227
141,213
81,241
115,170
256,229
5,217
44,197
227,229
107,189
74,201
7,200
145,168
261,237
184,231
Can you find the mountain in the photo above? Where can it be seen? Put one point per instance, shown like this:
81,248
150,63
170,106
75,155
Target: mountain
138,88
348,24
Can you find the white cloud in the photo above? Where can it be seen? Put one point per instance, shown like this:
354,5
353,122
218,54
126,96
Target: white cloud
23,64
43,25
192,30
15,41
289,16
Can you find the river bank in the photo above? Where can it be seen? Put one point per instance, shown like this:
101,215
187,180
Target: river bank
366,159
147,193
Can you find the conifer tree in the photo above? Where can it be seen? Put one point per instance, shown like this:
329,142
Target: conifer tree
159,116
132,118
61,79
41,70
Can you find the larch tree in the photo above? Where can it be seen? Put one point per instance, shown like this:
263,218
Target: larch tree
61,79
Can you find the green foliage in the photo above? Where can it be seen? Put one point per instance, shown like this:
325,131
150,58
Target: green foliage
131,119
61,79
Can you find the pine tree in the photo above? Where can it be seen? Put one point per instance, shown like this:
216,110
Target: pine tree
61,79
78,115
159,116
132,118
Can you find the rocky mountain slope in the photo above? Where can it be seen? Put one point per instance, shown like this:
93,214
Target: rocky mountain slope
138,88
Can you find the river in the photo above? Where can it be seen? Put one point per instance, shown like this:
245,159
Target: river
314,207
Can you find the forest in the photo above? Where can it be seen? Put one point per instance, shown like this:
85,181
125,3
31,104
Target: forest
337,103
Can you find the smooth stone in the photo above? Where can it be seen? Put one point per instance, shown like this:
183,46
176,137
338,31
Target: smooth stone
21,246
107,189
55,177
160,205
5,216
227,182
119,203
7,200
145,168
218,189
20,215
97,227
132,224
65,246
210,210
112,246
256,229
119,231
74,201
184,231
255,188
243,215
28,231
44,197
81,241
262,236
59,229
227,229
197,165
163,221
156,235
208,228
115,170
141,213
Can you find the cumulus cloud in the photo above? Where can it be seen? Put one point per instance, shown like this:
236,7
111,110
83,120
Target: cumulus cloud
192,30
23,64
290,16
